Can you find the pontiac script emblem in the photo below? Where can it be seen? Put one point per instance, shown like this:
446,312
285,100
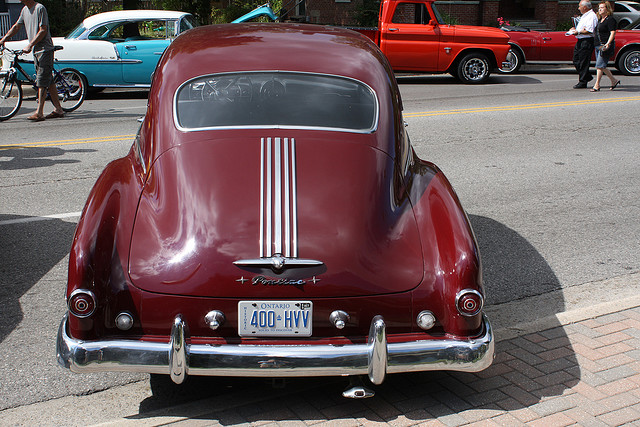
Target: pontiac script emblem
262,280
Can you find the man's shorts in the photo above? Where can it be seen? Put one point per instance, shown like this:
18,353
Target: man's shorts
44,68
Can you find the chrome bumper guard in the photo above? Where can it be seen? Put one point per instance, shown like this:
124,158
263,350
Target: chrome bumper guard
178,358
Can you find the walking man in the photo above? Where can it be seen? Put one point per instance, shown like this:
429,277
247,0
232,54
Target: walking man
35,19
584,44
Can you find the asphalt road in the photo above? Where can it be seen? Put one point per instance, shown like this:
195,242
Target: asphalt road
549,176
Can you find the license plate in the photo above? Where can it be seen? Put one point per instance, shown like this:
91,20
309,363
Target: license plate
275,318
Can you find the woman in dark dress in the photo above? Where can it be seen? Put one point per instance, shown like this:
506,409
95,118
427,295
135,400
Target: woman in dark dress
605,45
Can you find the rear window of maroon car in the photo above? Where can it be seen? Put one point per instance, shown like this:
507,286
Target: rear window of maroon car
276,99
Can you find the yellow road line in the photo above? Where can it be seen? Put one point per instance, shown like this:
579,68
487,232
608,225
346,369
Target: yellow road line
67,142
521,107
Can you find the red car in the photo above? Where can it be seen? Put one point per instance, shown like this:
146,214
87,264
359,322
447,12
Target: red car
273,220
555,47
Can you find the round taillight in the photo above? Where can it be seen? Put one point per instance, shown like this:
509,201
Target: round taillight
469,302
82,303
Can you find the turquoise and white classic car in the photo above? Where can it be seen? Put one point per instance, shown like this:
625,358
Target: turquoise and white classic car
119,48
122,48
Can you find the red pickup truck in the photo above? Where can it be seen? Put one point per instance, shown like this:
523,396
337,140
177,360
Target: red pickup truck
414,37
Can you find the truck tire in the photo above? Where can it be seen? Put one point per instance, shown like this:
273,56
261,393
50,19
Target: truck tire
629,63
474,68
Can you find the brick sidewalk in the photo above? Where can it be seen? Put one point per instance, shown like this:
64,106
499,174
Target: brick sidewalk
586,373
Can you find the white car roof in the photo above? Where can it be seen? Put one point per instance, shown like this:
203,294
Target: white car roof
120,15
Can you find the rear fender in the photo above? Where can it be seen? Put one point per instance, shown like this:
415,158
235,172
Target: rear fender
97,261
450,251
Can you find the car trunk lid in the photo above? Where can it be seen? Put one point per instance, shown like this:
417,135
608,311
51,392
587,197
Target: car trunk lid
274,217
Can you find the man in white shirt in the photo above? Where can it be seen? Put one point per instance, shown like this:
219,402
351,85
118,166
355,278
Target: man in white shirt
584,44
35,20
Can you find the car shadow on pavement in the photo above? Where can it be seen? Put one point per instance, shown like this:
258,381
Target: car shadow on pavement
528,370
25,157
116,93
30,249
442,79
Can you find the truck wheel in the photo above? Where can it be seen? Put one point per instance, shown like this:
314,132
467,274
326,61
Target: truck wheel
629,63
474,68
515,59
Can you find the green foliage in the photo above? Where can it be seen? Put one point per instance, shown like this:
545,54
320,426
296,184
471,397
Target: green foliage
63,16
237,8
564,26
99,7
366,14
449,19
201,9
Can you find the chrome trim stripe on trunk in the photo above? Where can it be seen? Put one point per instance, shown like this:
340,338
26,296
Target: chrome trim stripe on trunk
262,198
294,202
278,216
278,239
287,204
277,199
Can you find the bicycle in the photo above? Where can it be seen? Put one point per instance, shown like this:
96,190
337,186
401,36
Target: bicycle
71,85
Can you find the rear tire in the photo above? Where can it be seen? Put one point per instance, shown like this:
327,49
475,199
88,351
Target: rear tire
515,59
72,89
474,68
629,63
10,98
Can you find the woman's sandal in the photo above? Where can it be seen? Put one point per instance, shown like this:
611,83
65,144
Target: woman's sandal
593,89
615,85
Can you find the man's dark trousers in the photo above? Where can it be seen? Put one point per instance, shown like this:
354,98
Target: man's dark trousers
582,53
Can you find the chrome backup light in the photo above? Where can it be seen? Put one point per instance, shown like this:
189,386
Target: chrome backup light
469,302
214,319
426,320
82,303
124,321
339,319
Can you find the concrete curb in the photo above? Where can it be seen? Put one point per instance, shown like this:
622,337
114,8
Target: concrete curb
566,318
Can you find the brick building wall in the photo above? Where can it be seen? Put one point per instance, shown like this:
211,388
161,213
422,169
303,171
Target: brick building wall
464,12
568,9
490,12
332,12
547,12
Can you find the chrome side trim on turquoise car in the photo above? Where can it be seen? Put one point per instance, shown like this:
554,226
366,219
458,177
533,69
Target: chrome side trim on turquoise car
178,358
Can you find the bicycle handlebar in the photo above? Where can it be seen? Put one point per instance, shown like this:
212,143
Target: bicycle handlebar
16,52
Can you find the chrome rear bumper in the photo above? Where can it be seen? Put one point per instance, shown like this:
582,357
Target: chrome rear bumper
178,358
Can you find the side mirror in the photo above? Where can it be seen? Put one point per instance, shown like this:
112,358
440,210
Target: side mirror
433,22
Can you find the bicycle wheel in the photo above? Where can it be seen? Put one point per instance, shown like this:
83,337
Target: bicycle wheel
10,97
72,88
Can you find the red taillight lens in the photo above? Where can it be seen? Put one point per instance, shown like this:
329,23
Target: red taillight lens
82,303
469,302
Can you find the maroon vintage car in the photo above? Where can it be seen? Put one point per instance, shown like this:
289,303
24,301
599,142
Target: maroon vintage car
555,47
273,220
